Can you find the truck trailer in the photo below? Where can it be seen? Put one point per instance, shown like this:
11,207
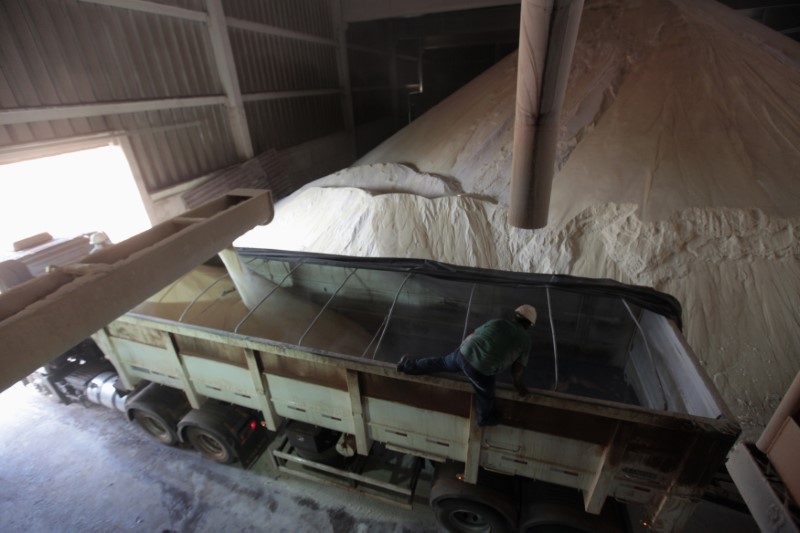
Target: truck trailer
621,419
294,355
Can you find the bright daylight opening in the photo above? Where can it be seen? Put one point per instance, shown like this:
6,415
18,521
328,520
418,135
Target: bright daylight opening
70,194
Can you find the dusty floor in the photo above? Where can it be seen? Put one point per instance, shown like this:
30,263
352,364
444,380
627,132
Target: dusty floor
67,468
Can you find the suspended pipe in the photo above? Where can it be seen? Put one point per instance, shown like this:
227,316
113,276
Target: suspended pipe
547,34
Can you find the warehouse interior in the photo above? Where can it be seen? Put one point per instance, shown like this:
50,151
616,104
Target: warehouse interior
374,122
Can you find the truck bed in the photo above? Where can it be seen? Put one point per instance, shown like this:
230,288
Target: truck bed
589,339
620,406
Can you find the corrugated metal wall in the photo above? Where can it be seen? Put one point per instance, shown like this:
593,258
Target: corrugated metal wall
78,53
306,16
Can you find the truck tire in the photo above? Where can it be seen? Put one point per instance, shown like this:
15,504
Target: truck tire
156,427
157,409
210,445
465,516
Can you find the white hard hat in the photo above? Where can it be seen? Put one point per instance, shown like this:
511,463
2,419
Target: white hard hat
98,237
528,312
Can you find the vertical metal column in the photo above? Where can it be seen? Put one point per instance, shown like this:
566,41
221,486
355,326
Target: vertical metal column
547,34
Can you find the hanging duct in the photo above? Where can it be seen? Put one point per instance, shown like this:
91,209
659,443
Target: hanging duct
547,34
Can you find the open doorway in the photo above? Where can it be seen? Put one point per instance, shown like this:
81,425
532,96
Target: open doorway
70,194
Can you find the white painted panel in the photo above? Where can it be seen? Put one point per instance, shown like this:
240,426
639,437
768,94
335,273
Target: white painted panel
435,433
221,381
315,404
515,465
147,362
540,455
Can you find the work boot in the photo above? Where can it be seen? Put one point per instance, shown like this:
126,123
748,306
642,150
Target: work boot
401,364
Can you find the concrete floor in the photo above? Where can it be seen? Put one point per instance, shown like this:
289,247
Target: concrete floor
68,468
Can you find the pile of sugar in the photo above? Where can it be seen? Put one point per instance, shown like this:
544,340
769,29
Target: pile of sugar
677,170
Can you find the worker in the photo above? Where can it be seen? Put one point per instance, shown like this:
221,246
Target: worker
99,241
493,347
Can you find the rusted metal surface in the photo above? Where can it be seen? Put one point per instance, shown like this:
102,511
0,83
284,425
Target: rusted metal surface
149,336
217,351
557,421
326,375
415,394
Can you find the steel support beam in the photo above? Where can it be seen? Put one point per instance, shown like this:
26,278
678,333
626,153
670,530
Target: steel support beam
226,67
36,114
33,150
46,316
154,8
362,10
280,95
343,71
266,29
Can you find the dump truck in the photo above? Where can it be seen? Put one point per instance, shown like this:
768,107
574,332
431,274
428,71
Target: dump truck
293,355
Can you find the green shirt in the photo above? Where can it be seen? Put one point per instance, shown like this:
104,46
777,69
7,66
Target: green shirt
496,345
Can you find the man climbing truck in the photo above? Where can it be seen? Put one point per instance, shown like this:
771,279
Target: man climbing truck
493,347
299,351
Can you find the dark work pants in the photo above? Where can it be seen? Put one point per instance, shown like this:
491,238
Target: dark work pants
455,362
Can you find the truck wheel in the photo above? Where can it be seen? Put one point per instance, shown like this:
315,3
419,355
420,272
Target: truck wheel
210,445
156,427
465,516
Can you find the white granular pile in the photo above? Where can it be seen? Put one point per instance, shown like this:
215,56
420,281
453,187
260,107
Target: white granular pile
678,169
